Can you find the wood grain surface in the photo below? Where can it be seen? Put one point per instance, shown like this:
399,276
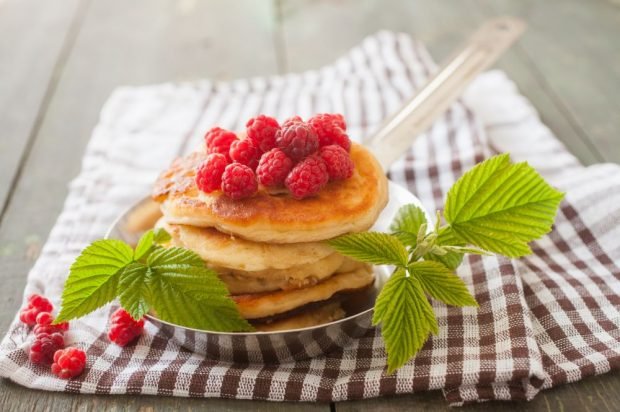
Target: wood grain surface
60,60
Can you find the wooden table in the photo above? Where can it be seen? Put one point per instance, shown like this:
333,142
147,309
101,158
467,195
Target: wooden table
59,61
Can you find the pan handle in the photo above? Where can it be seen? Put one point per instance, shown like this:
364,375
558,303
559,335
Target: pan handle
482,49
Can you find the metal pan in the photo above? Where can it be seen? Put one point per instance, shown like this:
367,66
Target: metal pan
396,135
280,346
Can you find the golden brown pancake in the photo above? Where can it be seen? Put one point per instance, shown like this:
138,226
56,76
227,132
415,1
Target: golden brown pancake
296,277
350,205
311,317
223,250
262,305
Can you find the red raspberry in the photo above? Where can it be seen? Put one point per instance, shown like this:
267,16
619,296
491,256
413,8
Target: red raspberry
218,140
40,302
335,118
307,178
338,162
44,346
297,140
44,324
209,173
36,304
44,318
273,168
245,152
48,329
262,130
291,121
330,129
69,363
28,316
239,181
123,328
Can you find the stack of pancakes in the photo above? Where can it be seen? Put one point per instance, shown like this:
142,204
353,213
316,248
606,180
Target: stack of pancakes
270,249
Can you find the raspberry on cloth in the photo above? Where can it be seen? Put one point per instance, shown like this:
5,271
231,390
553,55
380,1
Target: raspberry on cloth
123,328
69,363
545,320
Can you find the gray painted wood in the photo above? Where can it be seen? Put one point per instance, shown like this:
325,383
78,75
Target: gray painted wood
574,47
33,35
595,394
14,398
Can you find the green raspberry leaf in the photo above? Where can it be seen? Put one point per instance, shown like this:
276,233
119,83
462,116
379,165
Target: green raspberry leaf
185,292
406,318
133,291
161,236
372,247
149,242
93,278
451,259
144,246
500,206
442,284
407,223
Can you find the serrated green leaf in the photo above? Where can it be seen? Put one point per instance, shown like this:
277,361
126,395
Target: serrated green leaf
451,260
406,224
467,249
150,241
133,290
442,284
160,236
144,246
406,318
372,247
500,206
187,293
93,278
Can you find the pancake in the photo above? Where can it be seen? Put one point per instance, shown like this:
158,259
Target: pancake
296,277
223,250
261,305
312,317
345,206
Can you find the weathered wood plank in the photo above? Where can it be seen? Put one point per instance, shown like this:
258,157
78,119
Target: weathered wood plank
441,25
119,43
596,394
14,398
32,35
574,47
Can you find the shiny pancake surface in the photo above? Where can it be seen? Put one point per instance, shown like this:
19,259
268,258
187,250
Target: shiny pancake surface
262,305
223,250
311,317
297,277
350,205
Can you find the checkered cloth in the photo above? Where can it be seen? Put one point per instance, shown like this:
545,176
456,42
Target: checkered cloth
544,320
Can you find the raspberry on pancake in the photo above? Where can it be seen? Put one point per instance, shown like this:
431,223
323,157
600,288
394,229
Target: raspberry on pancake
342,206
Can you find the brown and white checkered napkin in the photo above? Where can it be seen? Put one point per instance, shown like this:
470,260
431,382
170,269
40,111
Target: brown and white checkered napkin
543,320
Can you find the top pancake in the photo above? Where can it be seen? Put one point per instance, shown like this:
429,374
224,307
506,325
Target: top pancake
350,205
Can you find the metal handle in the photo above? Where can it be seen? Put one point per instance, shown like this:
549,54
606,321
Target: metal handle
482,49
